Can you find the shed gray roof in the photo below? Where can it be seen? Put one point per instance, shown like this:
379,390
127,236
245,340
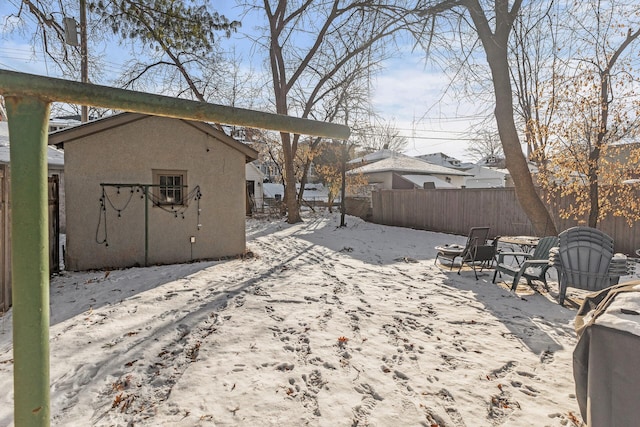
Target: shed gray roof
407,165
55,157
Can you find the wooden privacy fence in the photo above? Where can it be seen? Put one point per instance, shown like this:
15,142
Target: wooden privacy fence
5,253
456,210
5,235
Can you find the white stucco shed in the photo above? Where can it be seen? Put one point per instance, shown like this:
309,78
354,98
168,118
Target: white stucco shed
143,190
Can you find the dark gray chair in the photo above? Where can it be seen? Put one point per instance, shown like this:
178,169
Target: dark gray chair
480,255
534,266
477,237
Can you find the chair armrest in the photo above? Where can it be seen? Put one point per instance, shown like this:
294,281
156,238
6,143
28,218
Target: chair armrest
620,266
501,255
533,262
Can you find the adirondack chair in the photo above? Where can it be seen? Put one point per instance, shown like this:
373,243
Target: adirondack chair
534,266
584,259
450,252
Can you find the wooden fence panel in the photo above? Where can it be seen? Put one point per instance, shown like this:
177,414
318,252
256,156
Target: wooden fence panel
5,235
5,259
456,210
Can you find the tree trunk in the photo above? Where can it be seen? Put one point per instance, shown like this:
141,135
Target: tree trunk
290,199
594,208
527,196
496,49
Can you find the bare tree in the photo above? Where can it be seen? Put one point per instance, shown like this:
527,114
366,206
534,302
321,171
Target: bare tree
347,100
181,35
493,27
165,34
535,53
50,31
597,107
380,135
487,145
308,44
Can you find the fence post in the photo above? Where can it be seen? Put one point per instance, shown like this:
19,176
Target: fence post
28,124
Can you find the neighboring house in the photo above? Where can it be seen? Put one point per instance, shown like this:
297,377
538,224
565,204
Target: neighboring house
57,123
445,160
273,192
255,192
405,172
312,192
144,190
55,157
493,161
483,177
55,165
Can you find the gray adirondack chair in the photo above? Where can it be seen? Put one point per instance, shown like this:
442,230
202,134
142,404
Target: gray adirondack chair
583,260
534,266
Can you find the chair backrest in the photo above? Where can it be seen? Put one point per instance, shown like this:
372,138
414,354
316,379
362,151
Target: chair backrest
486,252
477,237
544,245
585,254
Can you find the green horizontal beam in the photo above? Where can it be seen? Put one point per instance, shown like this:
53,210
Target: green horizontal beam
58,90
28,99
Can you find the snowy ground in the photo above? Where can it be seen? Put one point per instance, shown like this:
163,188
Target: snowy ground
322,326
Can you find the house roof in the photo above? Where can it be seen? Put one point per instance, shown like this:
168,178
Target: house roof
55,157
58,138
478,171
375,156
445,160
440,156
255,169
407,165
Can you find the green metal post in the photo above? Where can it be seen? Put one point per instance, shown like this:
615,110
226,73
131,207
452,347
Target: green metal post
28,124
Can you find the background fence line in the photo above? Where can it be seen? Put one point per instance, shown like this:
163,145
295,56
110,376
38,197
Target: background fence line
456,210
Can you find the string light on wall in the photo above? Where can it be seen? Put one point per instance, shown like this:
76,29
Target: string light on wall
176,209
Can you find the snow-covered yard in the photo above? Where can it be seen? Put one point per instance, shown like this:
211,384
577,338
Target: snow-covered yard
318,325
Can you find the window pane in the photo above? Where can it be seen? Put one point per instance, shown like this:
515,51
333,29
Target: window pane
170,189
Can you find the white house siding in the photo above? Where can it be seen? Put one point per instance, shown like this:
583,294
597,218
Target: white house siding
385,179
484,183
456,181
419,180
254,174
484,177
128,154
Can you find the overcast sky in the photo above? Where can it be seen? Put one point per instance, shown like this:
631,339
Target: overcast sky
408,93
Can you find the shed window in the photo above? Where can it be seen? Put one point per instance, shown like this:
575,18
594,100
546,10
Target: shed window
170,186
